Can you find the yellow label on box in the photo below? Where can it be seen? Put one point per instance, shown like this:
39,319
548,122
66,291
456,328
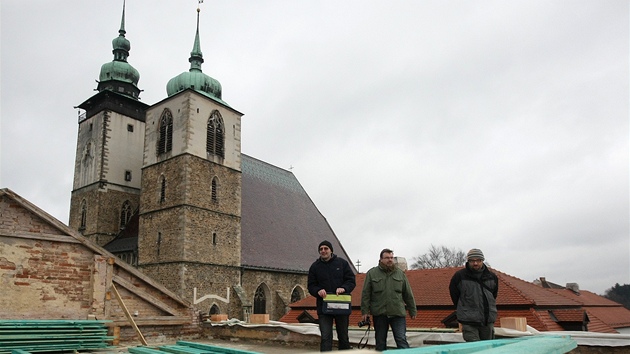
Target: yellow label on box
339,298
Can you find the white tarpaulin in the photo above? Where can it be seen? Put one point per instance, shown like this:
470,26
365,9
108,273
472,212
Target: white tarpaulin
419,338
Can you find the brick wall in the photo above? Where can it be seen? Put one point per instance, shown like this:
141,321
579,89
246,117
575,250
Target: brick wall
44,280
14,219
48,272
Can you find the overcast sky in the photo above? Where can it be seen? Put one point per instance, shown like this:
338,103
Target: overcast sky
501,125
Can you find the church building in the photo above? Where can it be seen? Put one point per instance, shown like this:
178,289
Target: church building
166,188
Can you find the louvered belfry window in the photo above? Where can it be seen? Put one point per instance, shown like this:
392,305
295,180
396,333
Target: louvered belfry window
215,143
165,142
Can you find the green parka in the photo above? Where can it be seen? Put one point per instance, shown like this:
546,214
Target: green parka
387,293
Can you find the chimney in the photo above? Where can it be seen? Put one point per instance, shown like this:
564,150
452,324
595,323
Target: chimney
401,262
543,282
575,287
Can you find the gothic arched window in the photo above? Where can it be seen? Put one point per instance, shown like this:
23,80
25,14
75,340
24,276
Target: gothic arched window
83,215
296,295
215,143
125,214
165,141
214,310
260,300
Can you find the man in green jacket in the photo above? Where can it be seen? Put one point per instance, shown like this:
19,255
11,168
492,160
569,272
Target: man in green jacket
386,291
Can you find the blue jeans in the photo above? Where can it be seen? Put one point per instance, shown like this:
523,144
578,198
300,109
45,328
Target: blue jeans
399,329
325,328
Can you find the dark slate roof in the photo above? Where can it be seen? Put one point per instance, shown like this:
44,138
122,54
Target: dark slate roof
127,238
280,227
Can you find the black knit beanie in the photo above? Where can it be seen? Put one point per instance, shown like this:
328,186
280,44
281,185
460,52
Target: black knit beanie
325,243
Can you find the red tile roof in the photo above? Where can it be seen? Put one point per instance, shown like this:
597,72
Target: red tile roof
599,308
516,298
568,315
618,317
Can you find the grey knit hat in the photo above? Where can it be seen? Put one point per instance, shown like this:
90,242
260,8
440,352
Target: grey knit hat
475,253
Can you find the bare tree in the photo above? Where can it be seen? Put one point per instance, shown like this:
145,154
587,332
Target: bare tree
439,257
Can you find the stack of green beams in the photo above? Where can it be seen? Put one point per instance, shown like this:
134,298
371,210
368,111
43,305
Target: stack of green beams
52,335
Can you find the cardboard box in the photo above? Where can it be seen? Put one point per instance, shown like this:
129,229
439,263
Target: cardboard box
517,323
259,318
337,305
217,318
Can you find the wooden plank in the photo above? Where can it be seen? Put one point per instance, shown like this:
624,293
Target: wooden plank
67,323
214,348
179,349
39,236
543,344
53,330
128,315
144,350
153,321
143,295
539,344
19,351
52,335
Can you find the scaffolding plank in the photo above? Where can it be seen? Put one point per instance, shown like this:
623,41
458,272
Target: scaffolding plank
52,335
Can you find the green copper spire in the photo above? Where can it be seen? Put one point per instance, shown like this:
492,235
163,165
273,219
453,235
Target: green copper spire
121,44
118,75
195,79
196,56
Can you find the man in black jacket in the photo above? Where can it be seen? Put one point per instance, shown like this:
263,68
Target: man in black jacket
330,274
474,292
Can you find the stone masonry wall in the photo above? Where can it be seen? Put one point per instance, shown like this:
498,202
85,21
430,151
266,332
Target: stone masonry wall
189,240
103,212
182,278
189,181
281,285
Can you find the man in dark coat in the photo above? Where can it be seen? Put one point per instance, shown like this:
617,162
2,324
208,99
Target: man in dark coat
474,292
330,274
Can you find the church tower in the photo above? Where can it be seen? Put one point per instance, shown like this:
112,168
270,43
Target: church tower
110,144
190,206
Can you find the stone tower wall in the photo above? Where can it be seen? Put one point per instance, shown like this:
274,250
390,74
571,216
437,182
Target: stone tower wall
109,149
104,206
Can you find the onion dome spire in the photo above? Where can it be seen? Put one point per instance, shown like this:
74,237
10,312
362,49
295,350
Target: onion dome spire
194,78
118,75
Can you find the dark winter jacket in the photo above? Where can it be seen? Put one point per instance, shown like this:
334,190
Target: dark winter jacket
330,275
475,296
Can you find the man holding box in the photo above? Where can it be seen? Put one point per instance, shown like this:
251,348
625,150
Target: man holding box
331,275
